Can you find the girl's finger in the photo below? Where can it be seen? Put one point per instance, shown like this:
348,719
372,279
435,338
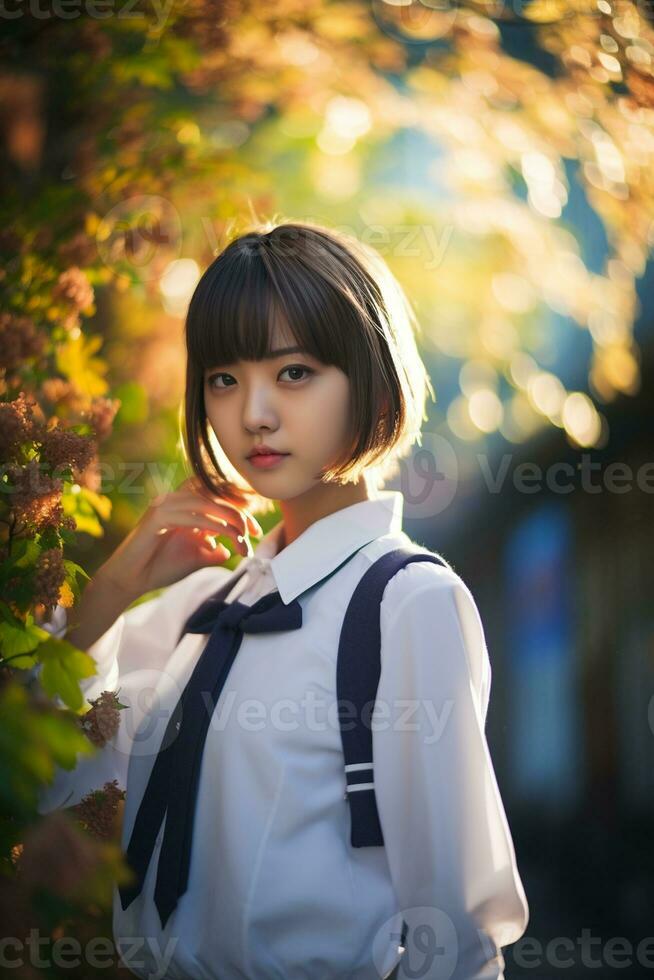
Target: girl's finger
173,509
255,527
215,555
170,519
199,500
254,524
205,545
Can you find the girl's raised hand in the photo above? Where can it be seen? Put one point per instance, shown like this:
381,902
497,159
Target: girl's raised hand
171,540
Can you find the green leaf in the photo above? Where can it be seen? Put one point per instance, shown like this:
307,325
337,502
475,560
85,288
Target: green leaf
63,667
73,572
77,361
63,742
17,637
26,552
67,536
32,743
74,569
88,523
100,503
84,505
24,661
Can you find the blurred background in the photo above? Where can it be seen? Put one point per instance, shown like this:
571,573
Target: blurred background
500,157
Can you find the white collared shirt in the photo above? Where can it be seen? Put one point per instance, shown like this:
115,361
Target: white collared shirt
276,891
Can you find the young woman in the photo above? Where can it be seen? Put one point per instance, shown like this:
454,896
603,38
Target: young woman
304,389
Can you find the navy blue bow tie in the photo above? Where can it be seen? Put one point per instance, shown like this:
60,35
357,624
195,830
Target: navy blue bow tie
173,783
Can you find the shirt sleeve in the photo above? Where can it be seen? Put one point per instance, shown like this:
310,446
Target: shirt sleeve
449,848
129,657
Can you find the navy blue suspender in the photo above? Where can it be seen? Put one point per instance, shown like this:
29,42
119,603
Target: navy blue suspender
358,669
357,679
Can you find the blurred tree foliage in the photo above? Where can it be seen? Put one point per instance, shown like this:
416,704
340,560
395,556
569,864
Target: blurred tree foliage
150,131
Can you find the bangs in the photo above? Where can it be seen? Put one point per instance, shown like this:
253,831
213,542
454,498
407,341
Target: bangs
246,292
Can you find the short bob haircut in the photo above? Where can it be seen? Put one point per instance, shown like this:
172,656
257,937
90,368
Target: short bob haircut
341,303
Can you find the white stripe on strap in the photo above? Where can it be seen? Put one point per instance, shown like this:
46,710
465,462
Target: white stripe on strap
356,786
356,766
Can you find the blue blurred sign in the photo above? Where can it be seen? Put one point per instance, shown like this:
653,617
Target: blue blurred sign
544,744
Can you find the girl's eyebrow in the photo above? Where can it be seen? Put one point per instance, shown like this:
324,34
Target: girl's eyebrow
282,352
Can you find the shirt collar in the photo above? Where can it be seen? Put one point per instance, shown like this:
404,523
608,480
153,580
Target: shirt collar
326,543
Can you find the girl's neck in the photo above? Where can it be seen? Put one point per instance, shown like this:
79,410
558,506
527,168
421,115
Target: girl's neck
301,512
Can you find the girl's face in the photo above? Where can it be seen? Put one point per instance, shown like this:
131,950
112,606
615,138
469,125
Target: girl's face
292,403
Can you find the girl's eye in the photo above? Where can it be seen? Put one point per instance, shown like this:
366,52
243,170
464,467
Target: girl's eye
212,378
292,367
297,367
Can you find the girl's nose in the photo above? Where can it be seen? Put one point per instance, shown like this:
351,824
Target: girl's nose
259,413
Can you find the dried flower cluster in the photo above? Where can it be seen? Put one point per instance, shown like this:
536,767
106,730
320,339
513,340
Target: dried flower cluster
49,578
101,416
98,810
35,498
102,721
58,391
74,288
19,341
99,413
80,250
38,452
17,424
62,447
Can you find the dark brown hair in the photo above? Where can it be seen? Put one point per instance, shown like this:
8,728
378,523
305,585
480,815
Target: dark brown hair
342,304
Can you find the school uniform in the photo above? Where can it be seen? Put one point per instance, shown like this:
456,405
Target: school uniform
275,888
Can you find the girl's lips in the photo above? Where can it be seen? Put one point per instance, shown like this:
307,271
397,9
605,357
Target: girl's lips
265,461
